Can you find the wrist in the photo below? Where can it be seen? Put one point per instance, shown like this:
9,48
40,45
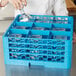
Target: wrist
0,3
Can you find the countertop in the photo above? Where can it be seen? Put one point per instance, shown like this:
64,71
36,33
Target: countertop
5,23
12,70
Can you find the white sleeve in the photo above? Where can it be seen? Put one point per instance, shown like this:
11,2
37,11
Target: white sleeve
60,8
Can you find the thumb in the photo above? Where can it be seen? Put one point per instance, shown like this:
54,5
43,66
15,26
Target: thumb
3,3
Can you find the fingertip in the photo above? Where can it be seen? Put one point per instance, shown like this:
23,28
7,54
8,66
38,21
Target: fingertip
25,3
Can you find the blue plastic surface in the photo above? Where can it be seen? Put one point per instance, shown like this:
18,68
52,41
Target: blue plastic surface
43,40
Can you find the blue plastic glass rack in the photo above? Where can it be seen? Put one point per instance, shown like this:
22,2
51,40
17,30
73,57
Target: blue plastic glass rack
43,40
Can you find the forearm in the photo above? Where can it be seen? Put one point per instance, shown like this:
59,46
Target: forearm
0,4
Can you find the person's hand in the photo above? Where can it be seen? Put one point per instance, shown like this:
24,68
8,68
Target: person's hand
74,37
18,4
3,3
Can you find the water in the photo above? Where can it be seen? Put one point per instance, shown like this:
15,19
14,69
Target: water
59,29
60,37
19,27
36,36
38,28
15,35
